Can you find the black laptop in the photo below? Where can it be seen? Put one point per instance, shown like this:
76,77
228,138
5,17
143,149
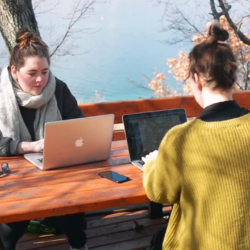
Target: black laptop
144,131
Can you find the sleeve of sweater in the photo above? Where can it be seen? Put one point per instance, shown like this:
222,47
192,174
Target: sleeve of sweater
161,177
8,146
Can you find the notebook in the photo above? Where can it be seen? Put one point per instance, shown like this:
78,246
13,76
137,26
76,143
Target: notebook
74,142
144,131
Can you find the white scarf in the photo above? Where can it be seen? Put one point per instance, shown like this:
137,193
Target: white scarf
11,96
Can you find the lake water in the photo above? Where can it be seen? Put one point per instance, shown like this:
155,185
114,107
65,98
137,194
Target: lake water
121,40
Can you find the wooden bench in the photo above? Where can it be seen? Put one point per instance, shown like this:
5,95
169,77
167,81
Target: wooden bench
142,105
120,108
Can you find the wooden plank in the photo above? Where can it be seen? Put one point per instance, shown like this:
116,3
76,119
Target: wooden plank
119,144
131,241
44,242
125,226
110,212
118,135
46,178
243,98
126,194
53,189
119,155
141,243
118,217
112,230
101,218
142,105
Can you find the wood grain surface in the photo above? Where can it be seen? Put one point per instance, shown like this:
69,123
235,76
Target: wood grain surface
29,193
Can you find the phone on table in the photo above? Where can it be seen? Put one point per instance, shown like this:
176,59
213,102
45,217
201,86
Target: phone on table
113,176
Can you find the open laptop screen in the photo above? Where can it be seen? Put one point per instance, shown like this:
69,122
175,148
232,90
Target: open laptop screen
144,131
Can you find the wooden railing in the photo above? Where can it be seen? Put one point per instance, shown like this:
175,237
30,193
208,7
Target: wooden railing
143,105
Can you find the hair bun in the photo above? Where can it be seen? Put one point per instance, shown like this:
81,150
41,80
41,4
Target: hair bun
23,38
216,33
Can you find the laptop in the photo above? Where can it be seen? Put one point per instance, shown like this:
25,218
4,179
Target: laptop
144,131
74,142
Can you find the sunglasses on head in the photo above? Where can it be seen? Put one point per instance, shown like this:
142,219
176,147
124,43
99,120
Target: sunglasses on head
5,168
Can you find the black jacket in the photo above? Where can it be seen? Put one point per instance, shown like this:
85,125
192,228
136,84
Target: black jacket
67,106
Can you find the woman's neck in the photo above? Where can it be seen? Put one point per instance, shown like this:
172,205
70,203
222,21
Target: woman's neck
210,97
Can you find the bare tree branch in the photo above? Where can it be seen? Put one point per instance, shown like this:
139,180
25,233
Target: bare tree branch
241,21
138,84
240,86
49,6
37,3
78,13
188,22
178,20
225,10
176,40
215,14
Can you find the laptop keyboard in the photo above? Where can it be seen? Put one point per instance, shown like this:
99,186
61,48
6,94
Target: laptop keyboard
40,159
141,162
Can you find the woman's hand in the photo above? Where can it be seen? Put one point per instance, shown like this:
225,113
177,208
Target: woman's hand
150,156
38,146
25,147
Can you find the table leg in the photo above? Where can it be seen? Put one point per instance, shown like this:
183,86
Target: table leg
155,210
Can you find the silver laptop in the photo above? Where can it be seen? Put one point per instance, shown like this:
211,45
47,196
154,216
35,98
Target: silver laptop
74,142
144,131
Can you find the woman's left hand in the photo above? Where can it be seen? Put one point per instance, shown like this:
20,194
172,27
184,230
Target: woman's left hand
150,156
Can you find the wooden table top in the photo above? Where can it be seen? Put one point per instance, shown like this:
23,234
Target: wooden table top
29,193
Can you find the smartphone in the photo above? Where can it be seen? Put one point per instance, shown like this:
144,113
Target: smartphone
113,176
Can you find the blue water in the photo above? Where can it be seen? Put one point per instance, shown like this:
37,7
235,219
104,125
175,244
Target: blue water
122,40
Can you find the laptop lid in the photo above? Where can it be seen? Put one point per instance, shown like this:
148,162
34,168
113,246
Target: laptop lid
144,131
76,141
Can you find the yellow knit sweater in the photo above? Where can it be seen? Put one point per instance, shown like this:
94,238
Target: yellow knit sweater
203,168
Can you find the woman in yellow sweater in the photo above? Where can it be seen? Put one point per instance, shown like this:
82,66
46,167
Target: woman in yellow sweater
203,166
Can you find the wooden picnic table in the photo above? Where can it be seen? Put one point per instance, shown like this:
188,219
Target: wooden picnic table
29,193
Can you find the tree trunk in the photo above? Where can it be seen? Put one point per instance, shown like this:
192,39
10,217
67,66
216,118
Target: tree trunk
16,14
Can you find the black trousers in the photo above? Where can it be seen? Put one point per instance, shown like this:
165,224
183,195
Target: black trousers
72,225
